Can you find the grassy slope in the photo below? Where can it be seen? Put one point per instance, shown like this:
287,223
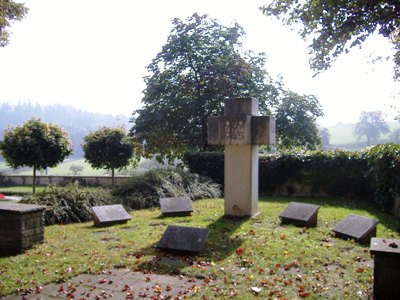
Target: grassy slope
284,261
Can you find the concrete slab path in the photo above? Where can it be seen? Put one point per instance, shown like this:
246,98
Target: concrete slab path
118,284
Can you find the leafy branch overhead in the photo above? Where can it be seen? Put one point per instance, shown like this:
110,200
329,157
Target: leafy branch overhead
9,12
337,26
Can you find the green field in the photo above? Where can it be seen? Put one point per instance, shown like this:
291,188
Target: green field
343,133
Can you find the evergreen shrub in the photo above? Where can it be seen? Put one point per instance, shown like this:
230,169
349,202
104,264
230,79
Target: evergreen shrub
144,191
69,204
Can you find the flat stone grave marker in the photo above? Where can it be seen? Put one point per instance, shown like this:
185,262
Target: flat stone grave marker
386,267
362,229
176,206
300,214
185,239
107,215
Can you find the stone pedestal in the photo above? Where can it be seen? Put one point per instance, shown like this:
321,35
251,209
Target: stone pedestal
386,268
21,226
241,130
241,180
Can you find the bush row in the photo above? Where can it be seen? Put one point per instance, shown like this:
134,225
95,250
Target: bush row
370,174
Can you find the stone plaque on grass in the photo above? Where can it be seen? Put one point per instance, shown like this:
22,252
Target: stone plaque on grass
176,206
107,215
185,239
300,214
386,267
360,228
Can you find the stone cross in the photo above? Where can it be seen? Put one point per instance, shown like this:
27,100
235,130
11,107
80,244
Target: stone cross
241,130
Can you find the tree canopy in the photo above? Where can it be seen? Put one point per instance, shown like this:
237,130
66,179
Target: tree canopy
9,12
108,148
35,144
336,26
371,124
201,64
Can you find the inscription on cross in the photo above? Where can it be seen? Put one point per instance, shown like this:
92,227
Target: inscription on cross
241,130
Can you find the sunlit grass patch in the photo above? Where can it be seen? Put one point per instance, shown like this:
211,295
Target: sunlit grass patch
248,258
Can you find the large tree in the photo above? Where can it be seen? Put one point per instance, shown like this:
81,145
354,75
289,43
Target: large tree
201,64
108,148
336,26
296,120
371,124
9,12
35,144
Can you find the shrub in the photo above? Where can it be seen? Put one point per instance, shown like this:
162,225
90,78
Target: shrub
144,191
384,172
68,204
209,164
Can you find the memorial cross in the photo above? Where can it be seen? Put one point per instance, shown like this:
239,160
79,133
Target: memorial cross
241,130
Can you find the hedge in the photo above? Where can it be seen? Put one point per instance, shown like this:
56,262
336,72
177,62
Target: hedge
369,174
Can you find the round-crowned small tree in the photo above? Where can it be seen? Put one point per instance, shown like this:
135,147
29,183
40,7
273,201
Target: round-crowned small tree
108,148
35,144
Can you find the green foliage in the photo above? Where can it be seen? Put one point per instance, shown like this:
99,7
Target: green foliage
209,164
69,204
296,120
9,12
384,172
337,26
201,64
371,125
75,169
35,144
109,148
144,191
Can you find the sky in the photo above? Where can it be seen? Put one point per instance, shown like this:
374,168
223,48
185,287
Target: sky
92,55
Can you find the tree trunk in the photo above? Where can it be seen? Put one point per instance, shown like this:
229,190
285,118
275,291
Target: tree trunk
34,180
112,177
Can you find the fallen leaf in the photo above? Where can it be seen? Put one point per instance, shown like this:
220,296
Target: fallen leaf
240,251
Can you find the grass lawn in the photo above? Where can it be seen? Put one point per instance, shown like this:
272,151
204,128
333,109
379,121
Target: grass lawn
283,261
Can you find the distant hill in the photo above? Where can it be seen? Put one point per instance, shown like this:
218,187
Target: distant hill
342,136
77,122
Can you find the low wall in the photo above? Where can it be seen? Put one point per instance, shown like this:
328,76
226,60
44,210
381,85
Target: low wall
14,180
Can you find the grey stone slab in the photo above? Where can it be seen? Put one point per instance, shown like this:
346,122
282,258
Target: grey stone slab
360,228
263,130
300,214
176,206
109,214
385,247
187,239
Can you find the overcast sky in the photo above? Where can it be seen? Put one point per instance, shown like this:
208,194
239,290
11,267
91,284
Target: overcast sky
92,54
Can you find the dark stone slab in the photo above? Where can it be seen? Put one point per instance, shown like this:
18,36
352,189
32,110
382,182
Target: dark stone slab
109,215
176,206
360,228
300,214
386,267
186,239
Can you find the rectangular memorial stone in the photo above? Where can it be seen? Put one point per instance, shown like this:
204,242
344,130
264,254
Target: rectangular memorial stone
109,215
362,229
185,239
300,214
21,226
176,206
229,130
386,267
